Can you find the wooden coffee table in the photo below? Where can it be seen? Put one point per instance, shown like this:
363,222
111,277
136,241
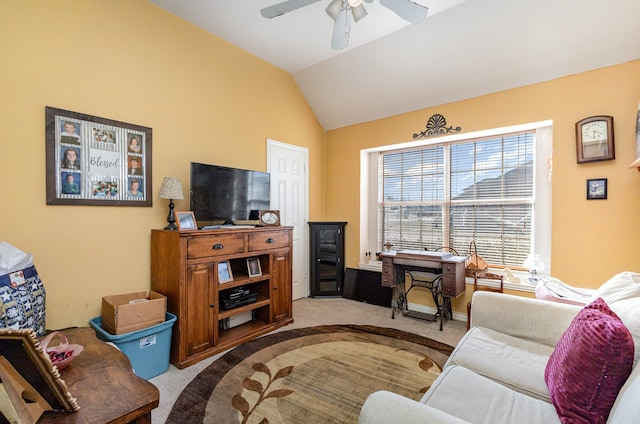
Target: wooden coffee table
103,382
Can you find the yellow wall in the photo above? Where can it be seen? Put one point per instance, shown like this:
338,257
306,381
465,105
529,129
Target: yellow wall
592,240
208,101
130,61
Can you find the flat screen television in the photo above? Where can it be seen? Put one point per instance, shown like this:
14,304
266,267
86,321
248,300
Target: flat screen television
219,193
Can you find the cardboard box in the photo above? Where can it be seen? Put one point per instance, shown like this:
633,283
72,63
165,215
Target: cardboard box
124,313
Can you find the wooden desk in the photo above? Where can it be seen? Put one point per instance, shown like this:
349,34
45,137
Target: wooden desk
103,382
451,281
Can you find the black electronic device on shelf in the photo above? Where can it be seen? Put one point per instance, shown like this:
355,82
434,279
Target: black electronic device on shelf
235,297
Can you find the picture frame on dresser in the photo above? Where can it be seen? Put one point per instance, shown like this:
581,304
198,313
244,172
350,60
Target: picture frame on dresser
225,275
253,267
186,221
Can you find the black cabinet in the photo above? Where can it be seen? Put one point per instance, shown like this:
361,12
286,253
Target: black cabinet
364,286
327,258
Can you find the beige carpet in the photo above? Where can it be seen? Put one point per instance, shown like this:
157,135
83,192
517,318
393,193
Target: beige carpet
310,312
313,375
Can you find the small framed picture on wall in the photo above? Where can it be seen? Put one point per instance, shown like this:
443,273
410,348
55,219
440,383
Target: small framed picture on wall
596,188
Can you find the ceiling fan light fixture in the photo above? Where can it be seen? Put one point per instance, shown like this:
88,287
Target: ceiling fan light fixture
354,3
358,12
334,9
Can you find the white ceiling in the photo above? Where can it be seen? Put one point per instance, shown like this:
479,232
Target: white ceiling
463,49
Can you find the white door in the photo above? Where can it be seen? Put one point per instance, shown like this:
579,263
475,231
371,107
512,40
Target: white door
288,166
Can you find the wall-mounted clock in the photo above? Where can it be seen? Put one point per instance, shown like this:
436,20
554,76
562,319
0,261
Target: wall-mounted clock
269,218
594,139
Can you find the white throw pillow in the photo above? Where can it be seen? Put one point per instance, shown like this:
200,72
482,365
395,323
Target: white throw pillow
621,286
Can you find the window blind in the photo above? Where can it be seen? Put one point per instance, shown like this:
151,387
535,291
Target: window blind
451,194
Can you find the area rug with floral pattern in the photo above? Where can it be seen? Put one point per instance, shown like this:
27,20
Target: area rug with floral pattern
310,375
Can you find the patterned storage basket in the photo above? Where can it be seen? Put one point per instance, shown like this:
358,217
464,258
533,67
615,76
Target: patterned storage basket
474,262
22,301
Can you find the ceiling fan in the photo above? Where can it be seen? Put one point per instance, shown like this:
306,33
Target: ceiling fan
338,10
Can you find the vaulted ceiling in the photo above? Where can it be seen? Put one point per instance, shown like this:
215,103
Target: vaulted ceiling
463,49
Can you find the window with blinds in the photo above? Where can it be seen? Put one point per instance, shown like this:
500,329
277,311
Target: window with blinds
451,194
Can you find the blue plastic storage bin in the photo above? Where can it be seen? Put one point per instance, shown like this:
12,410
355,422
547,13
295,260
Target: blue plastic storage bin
147,349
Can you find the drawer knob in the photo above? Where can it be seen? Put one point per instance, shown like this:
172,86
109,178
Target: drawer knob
218,246
270,240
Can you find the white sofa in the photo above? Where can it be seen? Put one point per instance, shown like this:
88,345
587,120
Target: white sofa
496,373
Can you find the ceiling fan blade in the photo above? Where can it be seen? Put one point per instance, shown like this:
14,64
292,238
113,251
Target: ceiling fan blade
284,7
406,9
341,29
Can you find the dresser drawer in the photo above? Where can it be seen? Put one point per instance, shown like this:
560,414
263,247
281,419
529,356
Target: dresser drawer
387,281
449,287
387,267
387,273
264,240
449,268
223,244
449,291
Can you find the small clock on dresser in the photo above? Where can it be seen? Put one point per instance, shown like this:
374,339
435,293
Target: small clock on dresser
269,218
594,139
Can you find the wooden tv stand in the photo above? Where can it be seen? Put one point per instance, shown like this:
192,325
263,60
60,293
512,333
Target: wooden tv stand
184,268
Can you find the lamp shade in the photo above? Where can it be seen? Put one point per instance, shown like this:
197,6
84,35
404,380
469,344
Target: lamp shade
358,12
334,9
171,189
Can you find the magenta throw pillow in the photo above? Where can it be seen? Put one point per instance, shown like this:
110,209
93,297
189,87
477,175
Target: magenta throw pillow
589,365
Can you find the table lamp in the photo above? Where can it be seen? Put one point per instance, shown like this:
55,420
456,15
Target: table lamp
171,190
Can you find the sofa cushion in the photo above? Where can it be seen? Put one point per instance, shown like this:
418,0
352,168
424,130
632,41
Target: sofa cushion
624,285
627,408
512,361
622,293
387,407
591,362
629,312
480,400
